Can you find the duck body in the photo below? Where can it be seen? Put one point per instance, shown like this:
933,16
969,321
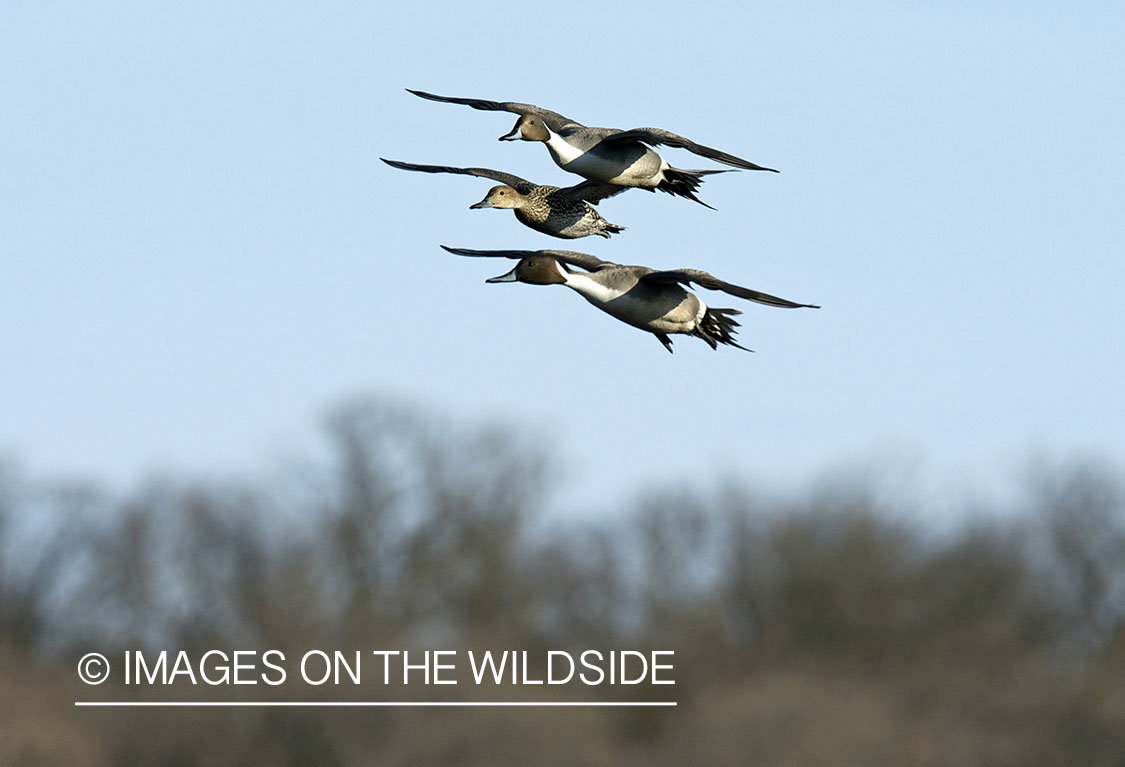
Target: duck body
550,210
622,292
564,212
585,154
608,155
593,154
651,300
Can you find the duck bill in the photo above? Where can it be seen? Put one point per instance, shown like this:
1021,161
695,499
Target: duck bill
485,203
509,277
511,135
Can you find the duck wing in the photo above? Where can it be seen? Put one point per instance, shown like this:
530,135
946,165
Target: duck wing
706,280
658,136
592,192
554,120
520,185
581,260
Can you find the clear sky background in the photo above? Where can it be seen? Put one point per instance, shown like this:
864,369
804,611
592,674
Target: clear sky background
201,251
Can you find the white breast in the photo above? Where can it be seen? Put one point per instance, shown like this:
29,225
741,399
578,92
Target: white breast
563,152
592,291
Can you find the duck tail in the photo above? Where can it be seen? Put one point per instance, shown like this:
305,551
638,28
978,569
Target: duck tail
684,182
608,229
718,327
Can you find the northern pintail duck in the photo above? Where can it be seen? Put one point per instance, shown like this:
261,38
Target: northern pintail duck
643,297
606,154
558,212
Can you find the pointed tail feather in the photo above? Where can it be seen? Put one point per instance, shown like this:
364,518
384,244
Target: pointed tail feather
685,182
609,229
718,327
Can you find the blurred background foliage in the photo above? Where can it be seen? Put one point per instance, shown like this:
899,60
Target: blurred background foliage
830,627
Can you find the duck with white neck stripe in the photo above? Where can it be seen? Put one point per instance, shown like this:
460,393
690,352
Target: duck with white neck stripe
646,298
608,155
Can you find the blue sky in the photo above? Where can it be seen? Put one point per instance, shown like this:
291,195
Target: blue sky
202,251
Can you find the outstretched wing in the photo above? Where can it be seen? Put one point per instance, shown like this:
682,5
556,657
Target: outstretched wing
592,192
657,136
554,120
520,185
706,280
581,260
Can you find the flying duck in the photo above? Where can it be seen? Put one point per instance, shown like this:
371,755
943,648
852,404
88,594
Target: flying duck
562,213
606,154
652,300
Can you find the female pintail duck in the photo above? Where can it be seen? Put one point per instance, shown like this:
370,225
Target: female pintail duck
558,212
645,298
605,154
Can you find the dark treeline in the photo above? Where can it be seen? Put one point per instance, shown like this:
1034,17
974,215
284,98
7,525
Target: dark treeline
833,628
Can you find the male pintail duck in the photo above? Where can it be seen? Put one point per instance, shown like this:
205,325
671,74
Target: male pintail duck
605,154
645,298
558,212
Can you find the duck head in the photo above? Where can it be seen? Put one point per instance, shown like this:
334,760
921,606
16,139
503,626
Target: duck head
502,196
535,270
529,128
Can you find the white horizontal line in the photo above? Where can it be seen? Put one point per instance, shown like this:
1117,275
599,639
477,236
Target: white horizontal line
383,703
